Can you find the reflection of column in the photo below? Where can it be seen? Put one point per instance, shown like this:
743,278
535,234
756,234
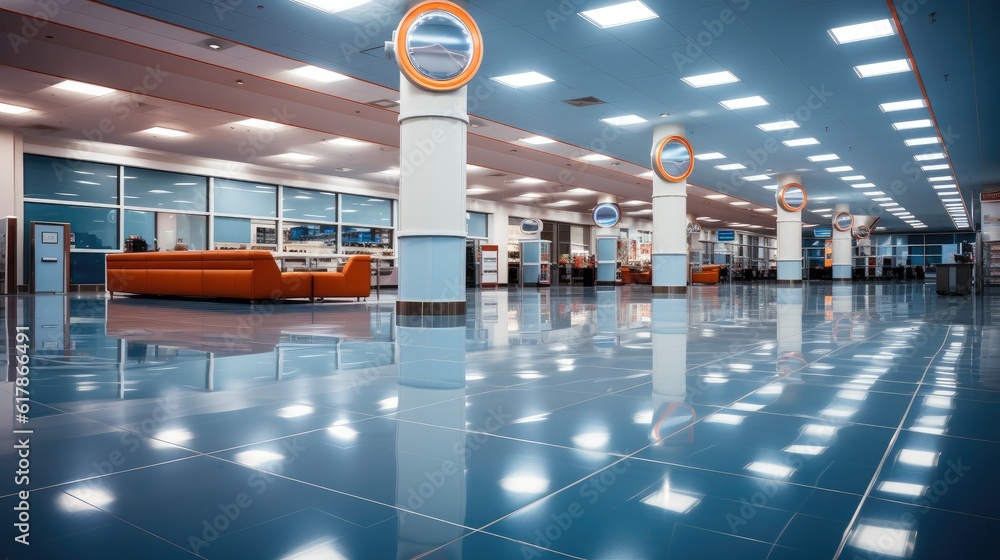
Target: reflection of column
669,338
432,151
607,318
843,313
789,238
669,224
841,248
607,247
430,437
790,358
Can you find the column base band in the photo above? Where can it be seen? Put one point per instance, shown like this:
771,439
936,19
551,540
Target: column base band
670,289
430,308
789,282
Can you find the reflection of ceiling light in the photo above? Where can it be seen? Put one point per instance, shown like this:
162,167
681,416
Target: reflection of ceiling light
883,541
525,484
862,31
921,141
903,488
86,499
168,132
256,457
743,102
908,125
902,105
819,430
523,79
536,140
387,404
170,436
318,74
624,120
805,449
778,125
800,142
730,166
720,418
80,87
618,14
592,440
918,458
770,469
258,123
672,501
332,6
709,156
295,411
12,109
340,431
713,79
883,68
532,418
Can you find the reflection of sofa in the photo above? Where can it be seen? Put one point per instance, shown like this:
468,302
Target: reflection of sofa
230,274
630,276
709,274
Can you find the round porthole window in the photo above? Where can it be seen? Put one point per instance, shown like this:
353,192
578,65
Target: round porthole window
792,197
843,221
607,214
531,226
438,46
673,159
862,232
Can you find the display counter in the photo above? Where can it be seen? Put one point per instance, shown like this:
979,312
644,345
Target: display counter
954,278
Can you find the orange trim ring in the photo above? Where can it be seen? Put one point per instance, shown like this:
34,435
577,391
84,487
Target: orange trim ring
836,219
789,207
658,160
403,57
857,232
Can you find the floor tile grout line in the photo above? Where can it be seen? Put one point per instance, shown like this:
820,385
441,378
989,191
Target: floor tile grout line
107,475
888,450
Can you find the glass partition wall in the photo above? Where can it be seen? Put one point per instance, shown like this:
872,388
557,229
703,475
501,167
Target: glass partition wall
176,211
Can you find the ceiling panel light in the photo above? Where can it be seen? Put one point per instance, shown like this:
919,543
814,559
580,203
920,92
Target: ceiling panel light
716,196
743,102
907,125
477,190
618,14
13,109
258,123
529,181
294,156
168,132
739,203
940,178
800,142
948,186
853,178
840,169
882,199
523,79
730,166
595,157
713,79
863,185
888,204
756,178
930,156
935,167
348,142
883,68
332,6
779,125
318,74
709,156
80,87
902,105
536,140
624,120
823,157
763,209
862,31
921,141
771,187
872,193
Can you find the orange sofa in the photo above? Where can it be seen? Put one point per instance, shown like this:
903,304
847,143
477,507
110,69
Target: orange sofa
230,274
709,274
630,277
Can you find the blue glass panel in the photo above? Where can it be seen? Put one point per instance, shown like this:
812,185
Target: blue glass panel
94,228
366,211
148,188
476,224
86,268
249,199
232,230
70,180
306,204
143,224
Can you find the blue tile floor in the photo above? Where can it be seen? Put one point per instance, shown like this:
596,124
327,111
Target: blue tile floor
743,421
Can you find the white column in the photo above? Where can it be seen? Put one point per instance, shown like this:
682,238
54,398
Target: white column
432,153
789,237
607,247
841,248
670,266
12,187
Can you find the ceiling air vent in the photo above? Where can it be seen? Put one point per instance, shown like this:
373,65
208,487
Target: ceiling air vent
476,123
584,101
384,103
43,128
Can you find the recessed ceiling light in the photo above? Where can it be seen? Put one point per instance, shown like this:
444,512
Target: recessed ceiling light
624,120
941,178
716,196
13,109
739,203
343,141
902,105
882,199
863,185
853,178
779,125
294,156
713,79
936,167
883,68
862,31
318,74
258,123
948,186
928,157
823,157
579,191
840,169
634,203
477,190
907,125
743,102
618,14
332,6
168,132
800,142
872,193
763,209
756,178
951,200
709,156
771,187
536,140
730,166
523,79
80,87
921,141
529,181
594,157
888,204
951,192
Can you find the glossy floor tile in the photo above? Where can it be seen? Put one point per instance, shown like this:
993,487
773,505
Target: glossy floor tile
743,421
